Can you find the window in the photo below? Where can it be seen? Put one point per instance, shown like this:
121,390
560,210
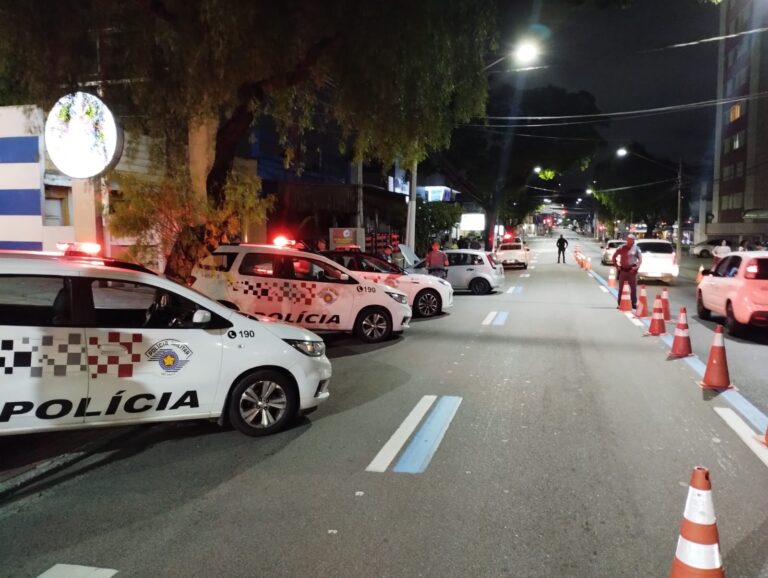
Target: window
34,301
739,140
258,265
311,270
56,211
725,202
726,145
737,200
656,247
134,305
458,259
723,268
218,262
734,113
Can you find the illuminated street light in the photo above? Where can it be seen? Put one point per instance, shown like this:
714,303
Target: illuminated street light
589,191
537,170
526,52
622,152
547,200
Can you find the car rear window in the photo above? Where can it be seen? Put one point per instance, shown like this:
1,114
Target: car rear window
511,247
615,244
656,247
762,269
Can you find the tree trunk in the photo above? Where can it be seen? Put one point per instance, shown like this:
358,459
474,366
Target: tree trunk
491,215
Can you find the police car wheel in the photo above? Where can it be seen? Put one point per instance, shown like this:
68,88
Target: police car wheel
263,403
373,325
480,286
428,303
702,311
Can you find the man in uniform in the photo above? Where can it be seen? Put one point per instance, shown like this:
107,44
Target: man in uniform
627,259
437,262
386,254
562,243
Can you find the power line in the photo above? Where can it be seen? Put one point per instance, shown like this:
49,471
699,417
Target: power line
707,40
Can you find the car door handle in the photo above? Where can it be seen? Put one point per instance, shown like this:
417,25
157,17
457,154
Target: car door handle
471,269
112,349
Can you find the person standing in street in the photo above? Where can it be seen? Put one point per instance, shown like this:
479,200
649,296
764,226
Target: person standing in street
720,251
627,259
436,262
562,243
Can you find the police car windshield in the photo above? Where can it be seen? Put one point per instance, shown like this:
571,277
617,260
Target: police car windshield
371,263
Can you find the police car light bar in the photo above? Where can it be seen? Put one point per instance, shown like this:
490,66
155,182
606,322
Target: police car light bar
282,241
79,249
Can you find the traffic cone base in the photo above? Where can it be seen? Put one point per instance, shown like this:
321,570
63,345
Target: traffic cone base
716,375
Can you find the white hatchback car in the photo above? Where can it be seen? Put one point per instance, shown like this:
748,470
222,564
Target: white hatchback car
609,249
509,254
659,260
428,295
85,344
471,269
302,288
736,289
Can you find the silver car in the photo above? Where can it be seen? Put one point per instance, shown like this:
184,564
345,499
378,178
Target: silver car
470,269
609,249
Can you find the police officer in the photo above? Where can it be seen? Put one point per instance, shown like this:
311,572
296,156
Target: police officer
386,254
562,243
627,259
436,262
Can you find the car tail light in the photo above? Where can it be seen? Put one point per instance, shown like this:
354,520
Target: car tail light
752,269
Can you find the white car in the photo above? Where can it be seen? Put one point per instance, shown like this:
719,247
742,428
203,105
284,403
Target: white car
513,254
86,344
609,249
428,295
471,269
302,288
737,289
659,260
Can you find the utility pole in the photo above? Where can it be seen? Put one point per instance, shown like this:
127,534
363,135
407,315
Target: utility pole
410,226
679,246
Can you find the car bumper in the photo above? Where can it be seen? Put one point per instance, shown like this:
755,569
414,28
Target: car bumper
313,376
401,317
659,273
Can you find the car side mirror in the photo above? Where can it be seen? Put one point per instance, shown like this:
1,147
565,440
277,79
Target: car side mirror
344,277
201,317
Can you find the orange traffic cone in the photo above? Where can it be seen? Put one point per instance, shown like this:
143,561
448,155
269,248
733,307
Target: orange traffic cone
716,376
657,320
665,304
626,300
642,304
612,278
698,547
681,345
700,274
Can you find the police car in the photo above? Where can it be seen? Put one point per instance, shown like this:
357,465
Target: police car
302,288
427,294
85,342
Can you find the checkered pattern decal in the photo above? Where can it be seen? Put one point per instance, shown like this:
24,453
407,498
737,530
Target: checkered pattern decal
43,355
67,355
121,364
302,292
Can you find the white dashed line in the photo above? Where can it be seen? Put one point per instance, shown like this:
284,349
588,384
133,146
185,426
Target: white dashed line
489,318
603,289
744,432
76,571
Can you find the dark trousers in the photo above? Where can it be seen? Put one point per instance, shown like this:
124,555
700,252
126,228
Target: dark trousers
631,278
561,252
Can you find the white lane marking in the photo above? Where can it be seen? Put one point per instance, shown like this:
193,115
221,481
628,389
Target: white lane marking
525,275
511,289
76,571
489,318
390,450
745,432
532,267
603,289
633,319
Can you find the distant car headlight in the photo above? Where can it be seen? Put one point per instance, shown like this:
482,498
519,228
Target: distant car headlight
311,348
399,297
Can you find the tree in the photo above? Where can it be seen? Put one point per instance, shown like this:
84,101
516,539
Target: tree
432,219
493,163
196,74
637,188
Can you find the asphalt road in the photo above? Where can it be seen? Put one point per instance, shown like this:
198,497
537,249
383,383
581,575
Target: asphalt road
559,442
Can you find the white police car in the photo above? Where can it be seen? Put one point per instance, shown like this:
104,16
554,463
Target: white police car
88,343
302,288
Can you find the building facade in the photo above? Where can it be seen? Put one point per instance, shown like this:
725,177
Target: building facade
740,189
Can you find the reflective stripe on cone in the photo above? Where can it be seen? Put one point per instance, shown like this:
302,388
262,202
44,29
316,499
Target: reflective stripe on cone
681,346
657,326
665,304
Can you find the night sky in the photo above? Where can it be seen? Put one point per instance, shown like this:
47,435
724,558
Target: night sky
603,51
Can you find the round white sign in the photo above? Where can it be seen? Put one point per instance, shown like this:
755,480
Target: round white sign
81,135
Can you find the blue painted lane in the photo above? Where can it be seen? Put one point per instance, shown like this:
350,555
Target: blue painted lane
424,444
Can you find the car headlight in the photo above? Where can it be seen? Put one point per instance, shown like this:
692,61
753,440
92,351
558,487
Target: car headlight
444,282
311,348
399,297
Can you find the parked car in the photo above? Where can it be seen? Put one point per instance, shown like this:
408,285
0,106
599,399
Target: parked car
609,249
736,289
427,294
659,260
513,254
302,288
470,269
705,249
85,344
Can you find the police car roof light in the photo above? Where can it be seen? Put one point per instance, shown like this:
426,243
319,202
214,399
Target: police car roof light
79,249
282,241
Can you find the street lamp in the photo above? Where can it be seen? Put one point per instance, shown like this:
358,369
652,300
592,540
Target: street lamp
526,52
537,170
623,151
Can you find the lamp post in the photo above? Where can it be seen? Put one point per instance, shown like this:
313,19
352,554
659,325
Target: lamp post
623,151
